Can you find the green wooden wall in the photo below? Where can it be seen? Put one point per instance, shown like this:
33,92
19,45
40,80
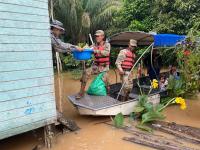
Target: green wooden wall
27,99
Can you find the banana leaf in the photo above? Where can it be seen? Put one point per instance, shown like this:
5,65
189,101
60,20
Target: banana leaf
152,116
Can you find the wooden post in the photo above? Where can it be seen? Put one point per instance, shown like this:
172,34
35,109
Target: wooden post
60,81
48,136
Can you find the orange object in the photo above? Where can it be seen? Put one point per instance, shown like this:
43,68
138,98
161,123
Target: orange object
129,60
99,59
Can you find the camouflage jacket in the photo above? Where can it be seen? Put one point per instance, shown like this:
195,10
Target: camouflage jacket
59,46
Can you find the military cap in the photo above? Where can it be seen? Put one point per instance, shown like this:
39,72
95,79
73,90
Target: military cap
99,32
133,42
57,24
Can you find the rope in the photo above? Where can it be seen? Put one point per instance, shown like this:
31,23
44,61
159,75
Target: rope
134,67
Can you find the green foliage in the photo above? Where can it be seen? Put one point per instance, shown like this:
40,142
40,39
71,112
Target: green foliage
168,56
134,16
70,62
147,111
175,87
191,74
148,106
189,63
162,16
136,25
140,107
81,17
133,116
119,120
143,100
152,114
175,16
165,100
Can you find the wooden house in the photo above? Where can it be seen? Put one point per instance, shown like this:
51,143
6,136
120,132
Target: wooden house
27,98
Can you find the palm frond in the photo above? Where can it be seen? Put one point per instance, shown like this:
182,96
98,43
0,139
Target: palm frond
81,16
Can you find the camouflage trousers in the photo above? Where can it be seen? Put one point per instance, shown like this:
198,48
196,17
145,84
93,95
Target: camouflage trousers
94,70
128,84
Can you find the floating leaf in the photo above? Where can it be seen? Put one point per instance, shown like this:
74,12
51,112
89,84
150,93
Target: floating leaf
119,120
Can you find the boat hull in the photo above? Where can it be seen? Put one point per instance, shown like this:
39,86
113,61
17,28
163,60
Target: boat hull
107,106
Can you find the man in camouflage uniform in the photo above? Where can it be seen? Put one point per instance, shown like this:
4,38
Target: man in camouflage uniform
60,47
101,63
124,63
57,45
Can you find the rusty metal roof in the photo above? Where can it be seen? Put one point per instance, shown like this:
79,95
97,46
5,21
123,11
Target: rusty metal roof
122,38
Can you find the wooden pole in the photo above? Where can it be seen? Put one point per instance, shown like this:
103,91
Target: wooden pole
52,17
177,134
188,130
152,140
59,68
157,144
91,39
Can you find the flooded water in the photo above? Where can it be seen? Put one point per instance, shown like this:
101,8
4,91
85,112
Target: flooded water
95,135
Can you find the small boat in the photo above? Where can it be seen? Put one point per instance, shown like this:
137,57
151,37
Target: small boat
110,105
106,105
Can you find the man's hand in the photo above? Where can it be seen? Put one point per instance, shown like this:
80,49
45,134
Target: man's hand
121,72
94,48
79,49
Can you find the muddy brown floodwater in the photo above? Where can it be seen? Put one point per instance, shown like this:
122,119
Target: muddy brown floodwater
93,134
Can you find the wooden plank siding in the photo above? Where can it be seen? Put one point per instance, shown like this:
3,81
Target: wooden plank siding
26,47
24,32
25,56
25,74
23,25
25,128
28,3
25,65
15,39
27,98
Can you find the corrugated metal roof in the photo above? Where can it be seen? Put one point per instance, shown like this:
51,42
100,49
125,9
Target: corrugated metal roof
122,38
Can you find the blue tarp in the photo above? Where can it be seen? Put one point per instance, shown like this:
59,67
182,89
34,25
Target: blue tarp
164,40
